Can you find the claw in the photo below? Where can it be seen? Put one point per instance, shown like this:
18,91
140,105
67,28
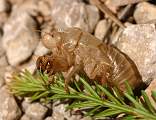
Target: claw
66,88
44,64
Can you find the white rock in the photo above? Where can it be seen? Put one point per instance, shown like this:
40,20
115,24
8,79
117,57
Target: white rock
8,74
2,81
4,5
145,12
20,38
25,117
101,29
3,64
139,43
44,7
29,65
74,13
36,111
60,113
41,50
26,103
9,109
49,118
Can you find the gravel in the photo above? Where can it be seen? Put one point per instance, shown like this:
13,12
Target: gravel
23,23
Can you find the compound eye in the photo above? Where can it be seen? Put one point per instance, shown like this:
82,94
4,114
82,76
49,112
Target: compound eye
49,41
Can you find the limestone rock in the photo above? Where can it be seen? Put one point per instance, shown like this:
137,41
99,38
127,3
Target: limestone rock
60,113
9,109
44,7
36,111
19,39
101,29
49,118
4,9
41,50
3,64
74,13
25,117
25,104
27,6
145,12
139,43
4,5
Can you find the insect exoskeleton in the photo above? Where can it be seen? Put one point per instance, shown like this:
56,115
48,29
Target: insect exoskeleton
75,51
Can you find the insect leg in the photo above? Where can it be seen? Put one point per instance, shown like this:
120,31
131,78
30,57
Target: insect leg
42,63
70,74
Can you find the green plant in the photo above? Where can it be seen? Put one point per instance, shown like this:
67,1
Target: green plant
94,100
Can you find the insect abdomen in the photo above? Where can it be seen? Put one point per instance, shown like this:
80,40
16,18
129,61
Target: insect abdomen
123,69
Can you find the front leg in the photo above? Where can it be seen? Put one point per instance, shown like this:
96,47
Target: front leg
74,69
44,64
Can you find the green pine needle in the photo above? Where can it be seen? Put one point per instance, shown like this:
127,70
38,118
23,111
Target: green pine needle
94,100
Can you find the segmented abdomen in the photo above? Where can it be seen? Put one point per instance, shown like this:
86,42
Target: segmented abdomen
123,68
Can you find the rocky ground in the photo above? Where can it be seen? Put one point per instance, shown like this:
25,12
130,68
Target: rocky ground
20,43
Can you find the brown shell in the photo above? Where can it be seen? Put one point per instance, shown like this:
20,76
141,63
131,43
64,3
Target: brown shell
99,61
123,69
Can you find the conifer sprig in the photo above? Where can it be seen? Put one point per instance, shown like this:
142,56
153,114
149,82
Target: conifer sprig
95,100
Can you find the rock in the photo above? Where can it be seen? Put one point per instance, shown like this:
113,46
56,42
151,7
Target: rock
41,50
47,105
33,7
25,104
3,61
8,74
2,81
122,2
28,6
29,65
149,89
4,6
45,7
139,43
2,51
19,42
74,13
101,29
3,64
25,117
93,17
4,9
59,113
145,12
9,109
49,118
36,111
14,2
4,17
